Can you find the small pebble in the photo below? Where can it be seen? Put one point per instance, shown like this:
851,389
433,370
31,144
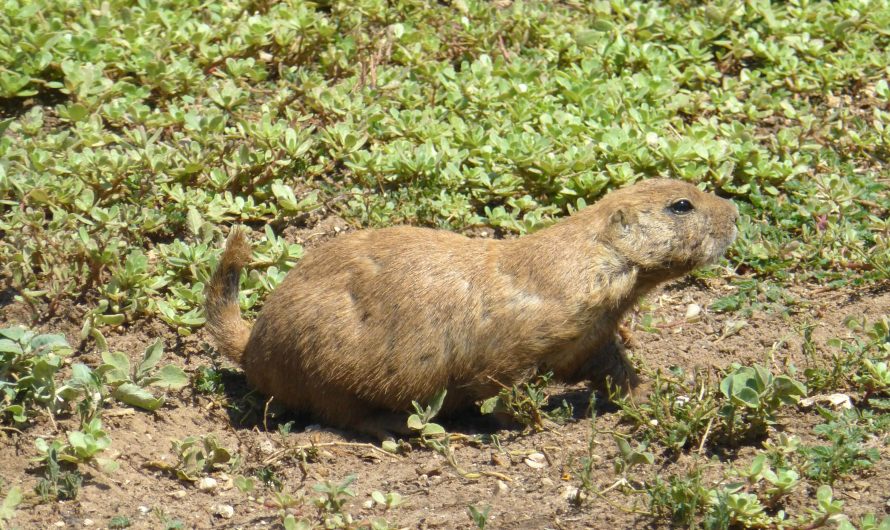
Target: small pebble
178,494
88,522
501,488
267,447
536,461
547,481
207,484
224,510
570,493
144,509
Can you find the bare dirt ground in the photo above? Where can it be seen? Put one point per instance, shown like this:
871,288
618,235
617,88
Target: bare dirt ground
435,494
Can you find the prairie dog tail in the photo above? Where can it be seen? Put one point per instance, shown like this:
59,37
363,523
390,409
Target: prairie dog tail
228,331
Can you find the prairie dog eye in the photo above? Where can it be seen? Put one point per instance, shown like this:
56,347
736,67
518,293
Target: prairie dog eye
681,206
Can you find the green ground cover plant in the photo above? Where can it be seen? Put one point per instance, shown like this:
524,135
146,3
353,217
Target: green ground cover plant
28,366
132,133
408,114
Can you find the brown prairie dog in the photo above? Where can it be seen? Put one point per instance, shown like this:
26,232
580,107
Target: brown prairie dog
374,319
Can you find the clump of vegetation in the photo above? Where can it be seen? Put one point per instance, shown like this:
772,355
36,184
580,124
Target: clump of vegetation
208,380
858,364
753,397
11,500
526,404
56,482
82,447
130,385
754,502
846,451
29,363
197,456
679,416
332,500
479,515
348,113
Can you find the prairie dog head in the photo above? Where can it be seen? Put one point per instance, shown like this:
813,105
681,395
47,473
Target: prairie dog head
668,227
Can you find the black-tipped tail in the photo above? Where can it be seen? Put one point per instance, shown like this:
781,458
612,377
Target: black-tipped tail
228,331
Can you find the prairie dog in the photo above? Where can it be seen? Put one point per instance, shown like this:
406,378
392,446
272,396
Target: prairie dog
374,319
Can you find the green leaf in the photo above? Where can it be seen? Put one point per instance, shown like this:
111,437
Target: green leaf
116,368
78,440
602,24
437,401
150,359
490,405
747,396
824,496
17,412
415,423
4,124
432,429
13,498
114,319
41,445
641,457
14,333
171,377
378,497
623,446
81,375
195,221
8,346
137,396
244,484
51,342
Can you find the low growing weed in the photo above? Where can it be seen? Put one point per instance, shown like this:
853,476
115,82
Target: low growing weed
755,502
847,451
60,480
197,456
130,384
526,404
130,135
753,398
479,515
10,502
857,364
82,447
679,416
29,363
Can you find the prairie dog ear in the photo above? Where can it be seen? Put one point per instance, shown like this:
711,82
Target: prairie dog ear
621,219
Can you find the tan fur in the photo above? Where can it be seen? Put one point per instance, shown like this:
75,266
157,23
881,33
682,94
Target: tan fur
377,318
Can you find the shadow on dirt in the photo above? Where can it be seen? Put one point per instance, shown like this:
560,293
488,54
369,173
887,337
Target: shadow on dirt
248,410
